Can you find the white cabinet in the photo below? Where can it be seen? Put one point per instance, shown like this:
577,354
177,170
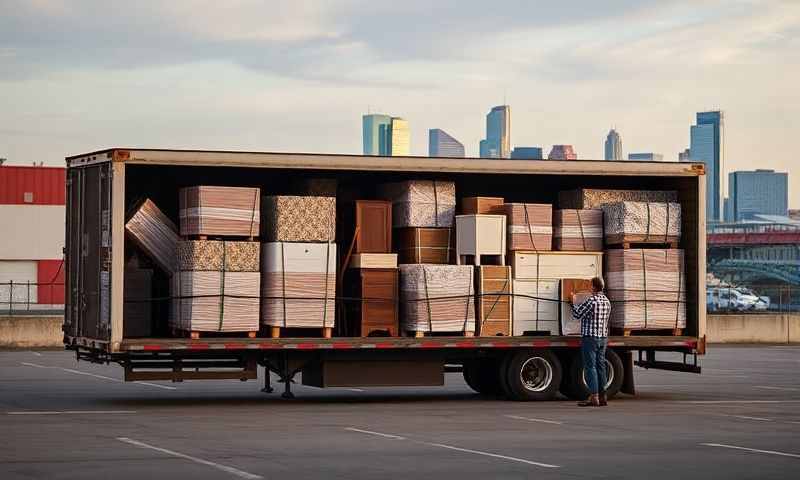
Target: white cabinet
481,235
536,307
556,265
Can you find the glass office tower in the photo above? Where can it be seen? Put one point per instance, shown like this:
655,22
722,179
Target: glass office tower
440,144
707,146
371,126
764,192
497,143
613,148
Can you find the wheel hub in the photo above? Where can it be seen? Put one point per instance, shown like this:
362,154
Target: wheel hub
536,374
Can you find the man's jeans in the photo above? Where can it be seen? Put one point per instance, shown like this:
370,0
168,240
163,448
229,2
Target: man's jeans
594,363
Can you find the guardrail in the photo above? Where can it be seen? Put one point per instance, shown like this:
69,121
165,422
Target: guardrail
22,298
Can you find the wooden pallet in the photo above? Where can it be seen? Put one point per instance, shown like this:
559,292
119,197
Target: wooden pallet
326,332
632,332
421,334
196,334
477,259
627,242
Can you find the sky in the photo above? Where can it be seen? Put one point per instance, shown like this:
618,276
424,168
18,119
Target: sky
77,76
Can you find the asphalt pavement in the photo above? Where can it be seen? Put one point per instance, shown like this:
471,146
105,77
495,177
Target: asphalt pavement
63,419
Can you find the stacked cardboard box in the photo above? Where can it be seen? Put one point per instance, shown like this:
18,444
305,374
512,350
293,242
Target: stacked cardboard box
595,198
437,298
578,230
493,300
290,218
424,245
530,226
647,288
219,211
421,203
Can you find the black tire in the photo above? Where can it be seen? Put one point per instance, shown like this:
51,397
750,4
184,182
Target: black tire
533,375
574,385
481,376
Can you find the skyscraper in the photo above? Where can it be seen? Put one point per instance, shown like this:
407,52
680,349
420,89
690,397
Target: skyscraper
707,146
684,156
764,192
613,146
497,143
646,157
562,152
526,153
440,144
372,125
399,140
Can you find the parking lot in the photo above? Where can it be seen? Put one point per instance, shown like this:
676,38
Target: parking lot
63,419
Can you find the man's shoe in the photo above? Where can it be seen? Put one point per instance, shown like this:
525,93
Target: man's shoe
602,400
592,401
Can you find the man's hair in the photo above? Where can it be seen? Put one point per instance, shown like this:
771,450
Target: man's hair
598,285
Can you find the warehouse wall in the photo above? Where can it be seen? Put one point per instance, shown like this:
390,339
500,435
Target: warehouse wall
32,232
754,328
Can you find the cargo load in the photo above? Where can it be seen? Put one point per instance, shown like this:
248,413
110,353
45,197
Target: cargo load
642,222
478,235
493,300
219,211
298,285
647,288
421,203
595,198
155,234
290,218
530,226
578,230
437,299
424,245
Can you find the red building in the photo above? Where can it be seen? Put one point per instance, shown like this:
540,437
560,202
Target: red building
32,202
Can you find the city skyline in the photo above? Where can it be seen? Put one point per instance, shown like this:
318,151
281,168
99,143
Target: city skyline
613,146
262,77
497,143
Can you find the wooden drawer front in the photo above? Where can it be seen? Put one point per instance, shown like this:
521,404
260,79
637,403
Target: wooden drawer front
374,224
530,314
556,265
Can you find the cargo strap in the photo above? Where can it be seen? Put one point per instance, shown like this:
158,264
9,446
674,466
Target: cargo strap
253,212
427,298
680,287
666,229
528,224
327,272
435,205
647,234
644,282
580,225
283,283
222,287
470,296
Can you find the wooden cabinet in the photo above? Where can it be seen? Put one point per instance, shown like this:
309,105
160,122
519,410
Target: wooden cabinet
424,245
374,226
480,205
478,235
536,307
372,307
493,300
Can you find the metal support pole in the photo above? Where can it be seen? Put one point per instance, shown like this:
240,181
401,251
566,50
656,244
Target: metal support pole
267,382
10,296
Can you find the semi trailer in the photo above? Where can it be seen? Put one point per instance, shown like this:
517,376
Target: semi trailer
103,186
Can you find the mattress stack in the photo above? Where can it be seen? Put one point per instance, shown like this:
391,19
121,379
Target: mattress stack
212,211
217,287
530,226
421,203
298,275
437,298
594,198
647,288
298,284
155,234
292,218
642,222
578,230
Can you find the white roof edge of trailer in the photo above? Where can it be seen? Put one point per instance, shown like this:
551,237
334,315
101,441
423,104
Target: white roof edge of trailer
363,162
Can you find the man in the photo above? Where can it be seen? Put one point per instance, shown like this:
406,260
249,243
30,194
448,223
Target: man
593,314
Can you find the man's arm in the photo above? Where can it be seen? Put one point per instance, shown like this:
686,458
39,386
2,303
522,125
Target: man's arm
580,310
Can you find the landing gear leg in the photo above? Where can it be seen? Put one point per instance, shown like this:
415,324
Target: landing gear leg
267,383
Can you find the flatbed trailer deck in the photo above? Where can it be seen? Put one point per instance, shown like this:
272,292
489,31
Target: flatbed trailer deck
102,185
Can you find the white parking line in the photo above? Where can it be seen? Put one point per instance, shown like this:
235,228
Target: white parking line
103,377
458,449
369,432
754,450
37,354
745,417
71,412
539,420
724,402
785,389
224,468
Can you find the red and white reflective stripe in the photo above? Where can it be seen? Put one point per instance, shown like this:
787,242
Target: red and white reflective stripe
570,343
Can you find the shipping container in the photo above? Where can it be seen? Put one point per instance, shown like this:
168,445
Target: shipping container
103,186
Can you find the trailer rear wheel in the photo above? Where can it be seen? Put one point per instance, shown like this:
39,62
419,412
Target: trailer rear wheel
533,375
481,376
574,385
